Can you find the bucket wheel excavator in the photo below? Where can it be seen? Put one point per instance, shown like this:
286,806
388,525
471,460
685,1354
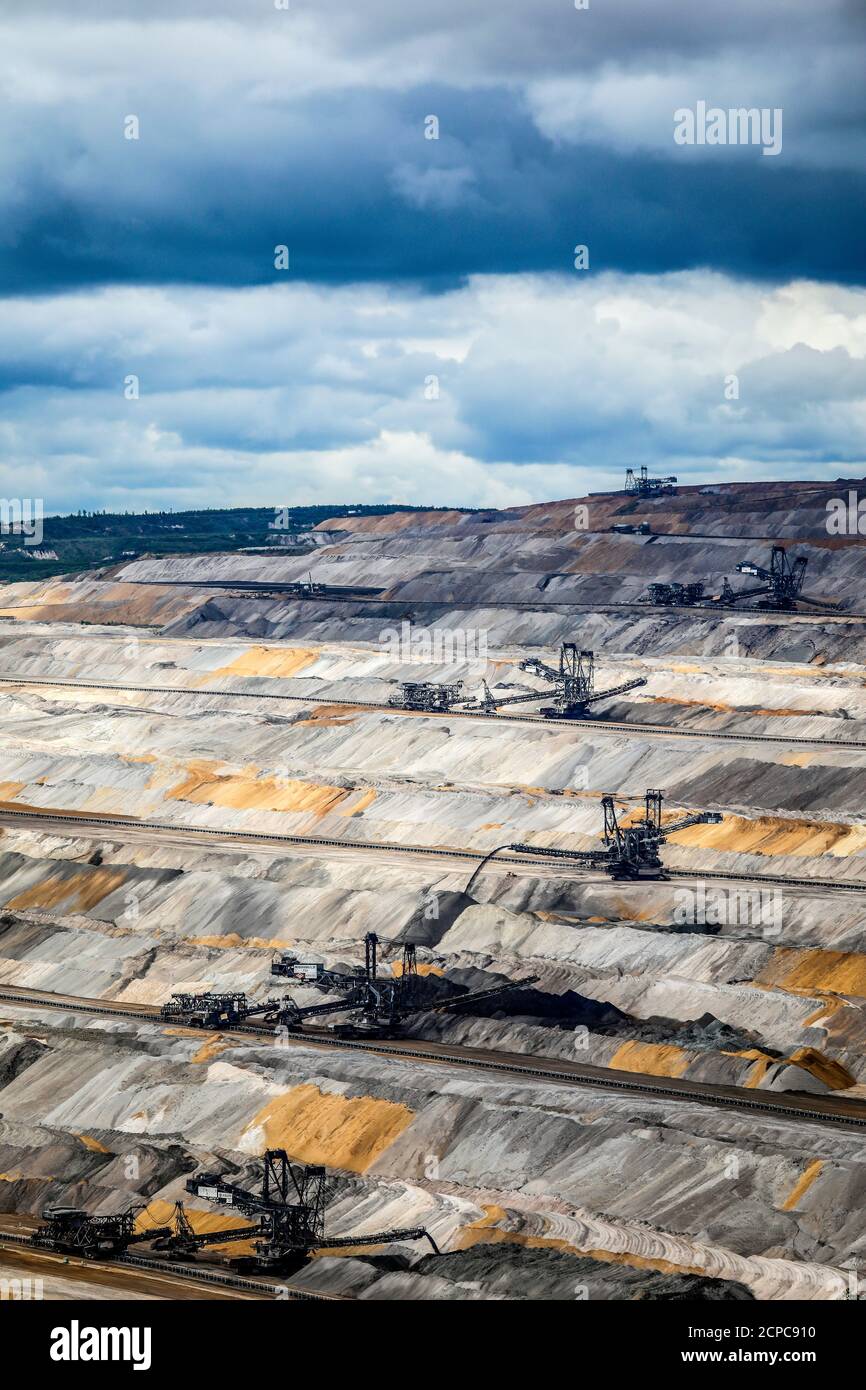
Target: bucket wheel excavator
781,586
629,851
287,1217
571,687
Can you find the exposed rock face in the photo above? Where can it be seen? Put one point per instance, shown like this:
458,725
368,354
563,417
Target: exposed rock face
524,1164
266,715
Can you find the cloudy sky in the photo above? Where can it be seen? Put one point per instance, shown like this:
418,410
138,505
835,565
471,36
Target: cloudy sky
431,339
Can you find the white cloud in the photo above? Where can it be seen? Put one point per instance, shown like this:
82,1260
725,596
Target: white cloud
547,386
630,107
615,73
432,187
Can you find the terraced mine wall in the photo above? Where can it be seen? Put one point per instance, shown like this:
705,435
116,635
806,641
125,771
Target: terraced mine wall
199,743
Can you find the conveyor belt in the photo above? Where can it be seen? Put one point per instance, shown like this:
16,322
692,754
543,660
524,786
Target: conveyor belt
84,822
593,723
727,1097
179,1270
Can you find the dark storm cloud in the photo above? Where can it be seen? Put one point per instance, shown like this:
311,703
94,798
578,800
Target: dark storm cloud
523,37
415,260
306,128
351,187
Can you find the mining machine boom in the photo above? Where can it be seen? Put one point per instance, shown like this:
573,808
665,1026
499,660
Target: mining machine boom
781,586
288,1215
628,852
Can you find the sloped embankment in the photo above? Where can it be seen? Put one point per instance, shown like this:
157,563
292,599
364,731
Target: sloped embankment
480,1165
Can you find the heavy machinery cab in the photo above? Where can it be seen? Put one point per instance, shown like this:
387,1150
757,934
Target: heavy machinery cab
426,696
205,1010
73,1231
573,684
634,849
642,485
629,852
780,587
681,595
218,1010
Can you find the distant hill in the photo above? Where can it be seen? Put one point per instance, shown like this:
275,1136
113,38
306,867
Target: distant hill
93,540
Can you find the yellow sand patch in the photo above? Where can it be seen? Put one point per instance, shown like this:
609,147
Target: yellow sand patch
232,941
267,661
629,815
485,1232
644,1262
214,1045
569,918
9,790
802,1185
639,914
753,1053
756,1074
825,1069
763,1061
24,614
824,1014
204,784
656,1059
786,713
93,1144
328,715
832,1073
24,1177
722,707
693,704
841,972
773,835
139,605
483,1229
316,1127
67,811
364,800
78,892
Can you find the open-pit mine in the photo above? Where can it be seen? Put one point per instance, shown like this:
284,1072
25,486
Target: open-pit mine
472,907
